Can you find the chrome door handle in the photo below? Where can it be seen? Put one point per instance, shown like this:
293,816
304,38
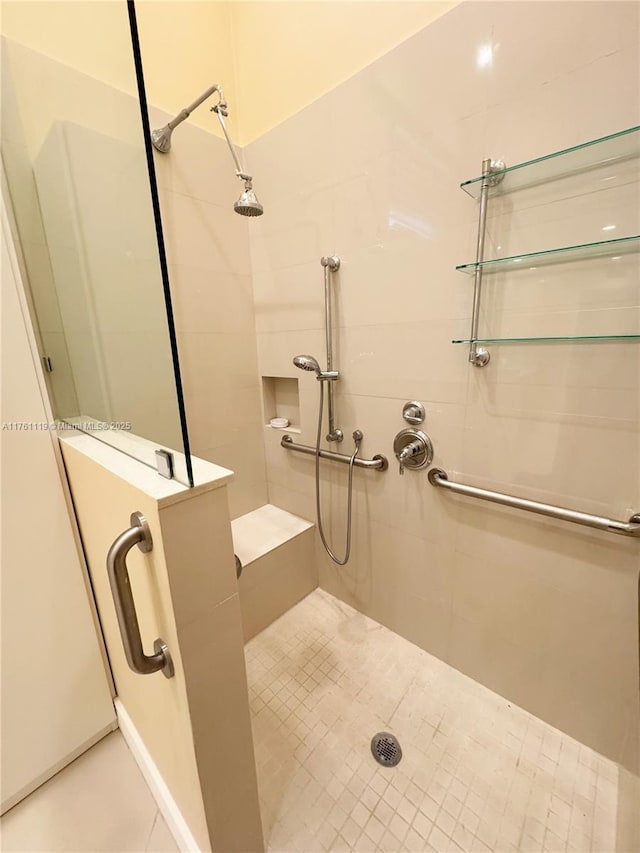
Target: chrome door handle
140,535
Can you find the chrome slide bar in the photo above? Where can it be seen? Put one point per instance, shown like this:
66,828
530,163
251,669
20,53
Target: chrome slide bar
140,535
439,478
378,463
330,264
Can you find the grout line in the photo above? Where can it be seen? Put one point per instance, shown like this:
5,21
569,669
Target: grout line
153,826
476,745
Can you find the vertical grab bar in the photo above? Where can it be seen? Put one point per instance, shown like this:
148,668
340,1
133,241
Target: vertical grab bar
138,534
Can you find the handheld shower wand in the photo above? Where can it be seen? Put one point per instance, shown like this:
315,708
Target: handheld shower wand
308,362
247,204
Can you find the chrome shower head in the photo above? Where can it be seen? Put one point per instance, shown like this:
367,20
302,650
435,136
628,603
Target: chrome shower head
248,204
161,138
307,362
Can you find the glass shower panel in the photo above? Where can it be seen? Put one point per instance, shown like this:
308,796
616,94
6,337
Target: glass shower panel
78,185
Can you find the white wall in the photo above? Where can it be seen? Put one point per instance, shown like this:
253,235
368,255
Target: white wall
542,612
89,242
56,699
247,47
37,273
288,53
187,45
93,191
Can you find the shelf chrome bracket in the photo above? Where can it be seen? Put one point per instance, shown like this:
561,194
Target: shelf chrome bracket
492,175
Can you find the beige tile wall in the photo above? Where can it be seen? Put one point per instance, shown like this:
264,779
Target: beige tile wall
276,581
196,724
208,253
544,613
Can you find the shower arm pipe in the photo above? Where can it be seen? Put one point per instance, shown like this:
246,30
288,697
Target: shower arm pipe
378,463
492,174
330,264
440,478
186,112
221,111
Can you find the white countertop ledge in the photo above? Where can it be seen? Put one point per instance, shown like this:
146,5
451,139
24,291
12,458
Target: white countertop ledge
206,475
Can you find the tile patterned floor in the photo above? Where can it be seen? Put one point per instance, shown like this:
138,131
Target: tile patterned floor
477,774
99,802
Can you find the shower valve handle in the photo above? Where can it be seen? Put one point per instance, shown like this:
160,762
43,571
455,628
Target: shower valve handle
407,452
413,449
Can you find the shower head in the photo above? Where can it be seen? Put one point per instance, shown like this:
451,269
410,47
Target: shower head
307,362
161,138
248,204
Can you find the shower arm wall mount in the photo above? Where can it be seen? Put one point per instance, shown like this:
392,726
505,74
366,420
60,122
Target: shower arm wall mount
161,138
222,111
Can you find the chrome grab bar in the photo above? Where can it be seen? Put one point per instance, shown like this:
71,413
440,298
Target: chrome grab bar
140,535
378,463
439,478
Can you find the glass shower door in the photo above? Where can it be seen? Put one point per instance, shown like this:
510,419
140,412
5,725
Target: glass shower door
77,175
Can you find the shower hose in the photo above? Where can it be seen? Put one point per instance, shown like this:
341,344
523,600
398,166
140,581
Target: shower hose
357,437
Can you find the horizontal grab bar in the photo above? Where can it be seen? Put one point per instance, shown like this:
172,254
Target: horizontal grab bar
378,463
440,478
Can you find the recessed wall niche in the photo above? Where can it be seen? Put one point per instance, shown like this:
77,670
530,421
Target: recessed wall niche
281,399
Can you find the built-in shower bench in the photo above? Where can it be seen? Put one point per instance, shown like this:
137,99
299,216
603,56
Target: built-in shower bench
276,549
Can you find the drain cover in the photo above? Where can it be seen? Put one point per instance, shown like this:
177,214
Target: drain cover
386,749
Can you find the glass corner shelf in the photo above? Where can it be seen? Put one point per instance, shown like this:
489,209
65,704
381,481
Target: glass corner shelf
597,152
531,260
558,338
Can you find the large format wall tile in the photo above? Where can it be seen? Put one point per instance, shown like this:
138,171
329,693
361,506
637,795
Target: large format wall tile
541,611
209,270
